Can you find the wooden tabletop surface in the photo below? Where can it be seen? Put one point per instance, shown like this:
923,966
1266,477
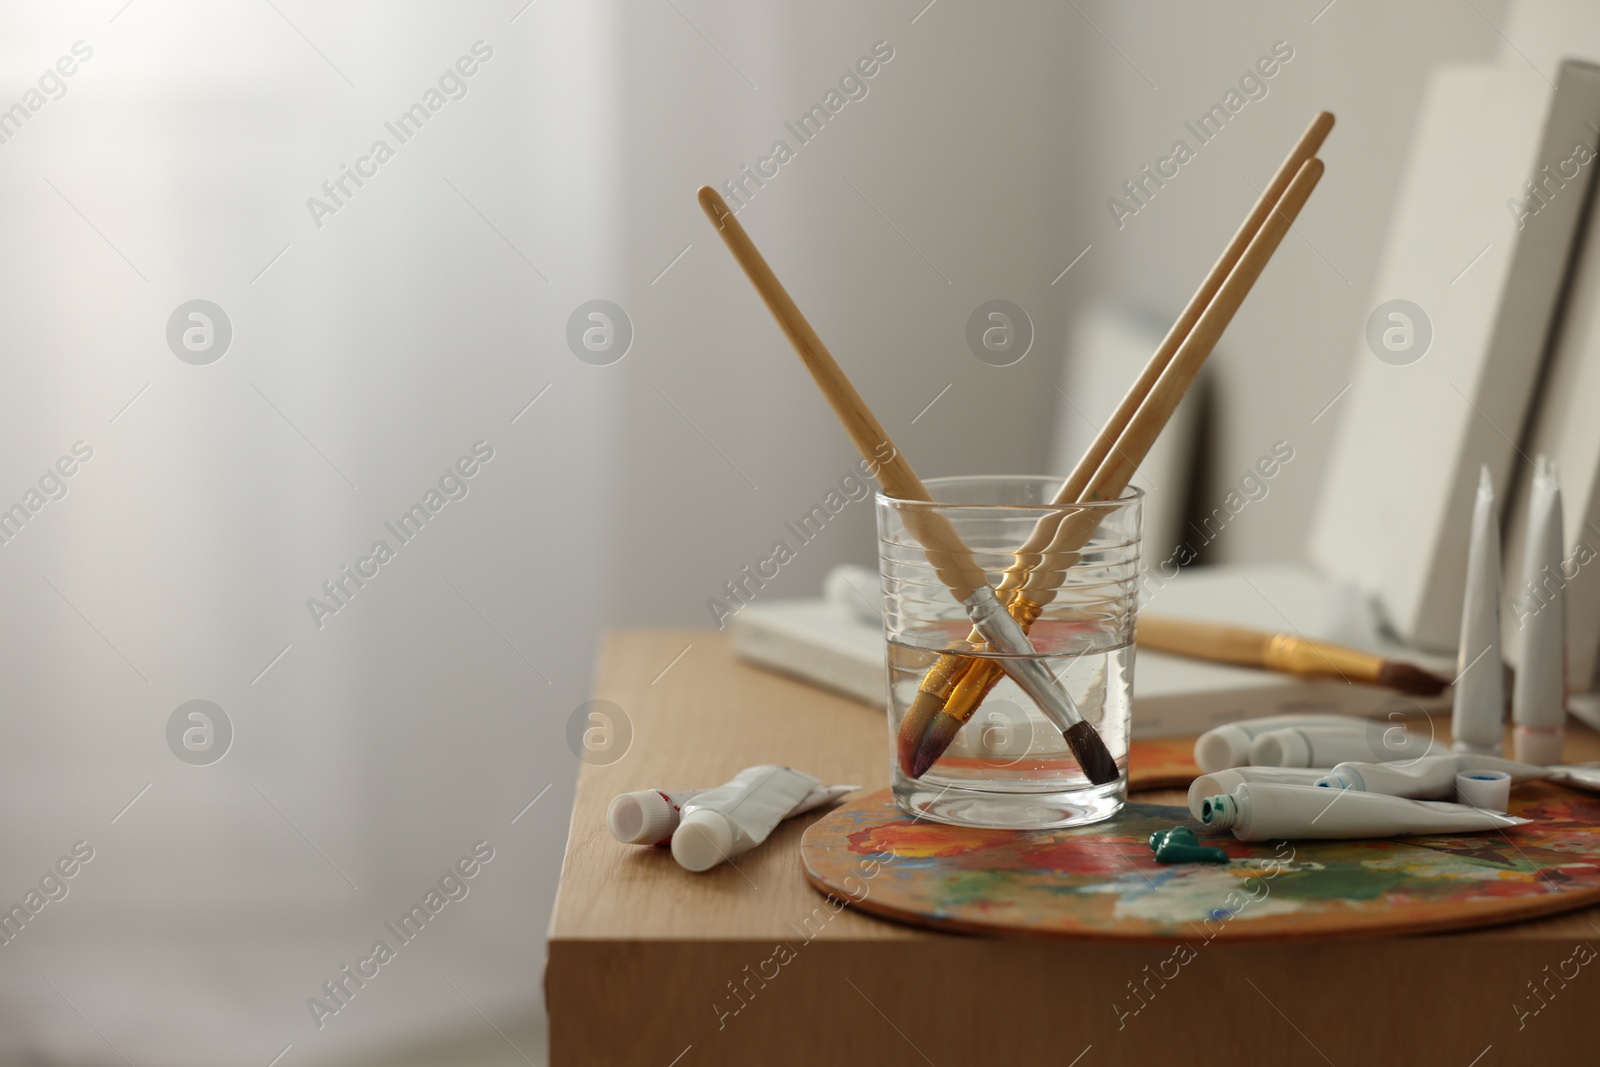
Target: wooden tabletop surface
697,715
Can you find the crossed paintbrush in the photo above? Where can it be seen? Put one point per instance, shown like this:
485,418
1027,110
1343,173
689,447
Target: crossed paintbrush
954,687
952,561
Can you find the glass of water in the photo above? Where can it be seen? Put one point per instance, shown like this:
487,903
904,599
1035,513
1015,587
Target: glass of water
1009,766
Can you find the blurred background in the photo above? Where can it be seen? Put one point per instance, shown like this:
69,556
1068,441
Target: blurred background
359,341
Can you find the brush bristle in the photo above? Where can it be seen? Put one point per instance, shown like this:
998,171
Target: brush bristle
1093,755
909,738
1409,678
940,733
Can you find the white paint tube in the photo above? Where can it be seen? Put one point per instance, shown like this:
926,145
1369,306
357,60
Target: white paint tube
651,816
1478,720
820,795
1228,746
1329,746
1585,776
1225,781
1428,778
736,817
1262,811
1538,705
647,817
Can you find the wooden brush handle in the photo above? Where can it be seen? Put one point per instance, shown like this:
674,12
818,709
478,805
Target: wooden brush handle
1306,148
1072,489
950,557
1256,648
1121,462
1203,640
1114,473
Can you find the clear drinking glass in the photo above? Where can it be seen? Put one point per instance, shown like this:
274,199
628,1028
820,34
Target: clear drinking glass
1009,766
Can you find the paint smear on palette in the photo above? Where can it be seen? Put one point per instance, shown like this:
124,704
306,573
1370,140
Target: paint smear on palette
1102,880
1198,896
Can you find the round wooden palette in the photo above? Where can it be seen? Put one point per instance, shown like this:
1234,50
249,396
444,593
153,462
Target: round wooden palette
1161,763
1102,881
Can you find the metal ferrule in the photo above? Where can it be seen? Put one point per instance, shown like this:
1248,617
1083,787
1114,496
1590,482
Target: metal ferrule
1007,637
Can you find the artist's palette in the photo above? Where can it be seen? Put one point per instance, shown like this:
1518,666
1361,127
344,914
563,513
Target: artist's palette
1102,881
1161,763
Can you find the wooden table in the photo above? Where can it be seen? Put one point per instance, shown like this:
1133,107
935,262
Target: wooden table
644,957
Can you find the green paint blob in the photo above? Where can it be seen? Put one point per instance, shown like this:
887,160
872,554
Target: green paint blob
1177,835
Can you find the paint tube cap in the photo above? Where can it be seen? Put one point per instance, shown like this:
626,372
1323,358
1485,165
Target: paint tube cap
642,818
703,840
1489,790
1342,777
1280,748
1222,748
1538,746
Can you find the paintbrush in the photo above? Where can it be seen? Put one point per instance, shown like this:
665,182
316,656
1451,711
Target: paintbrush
1287,653
951,559
952,690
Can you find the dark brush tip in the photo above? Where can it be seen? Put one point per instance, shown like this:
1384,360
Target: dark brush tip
1408,678
940,733
906,743
1093,755
913,727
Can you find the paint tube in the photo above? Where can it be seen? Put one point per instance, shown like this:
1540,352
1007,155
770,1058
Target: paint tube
1477,722
820,795
650,816
1225,781
1329,746
1428,778
736,817
1228,746
1538,704
647,817
1262,811
1585,776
